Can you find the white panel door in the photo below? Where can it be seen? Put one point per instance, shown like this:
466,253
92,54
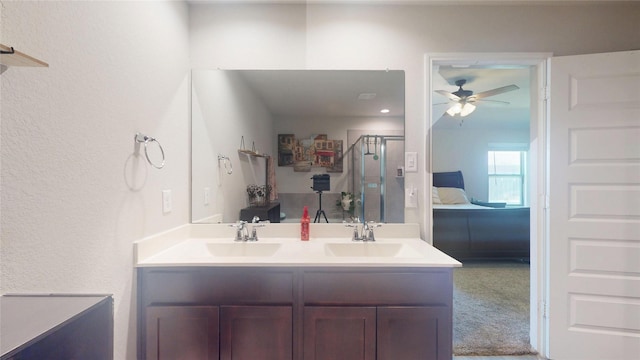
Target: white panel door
594,197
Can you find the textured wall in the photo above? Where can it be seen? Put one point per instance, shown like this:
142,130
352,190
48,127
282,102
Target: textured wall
75,191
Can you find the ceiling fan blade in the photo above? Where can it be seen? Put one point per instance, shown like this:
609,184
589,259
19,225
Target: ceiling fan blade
495,101
449,95
496,91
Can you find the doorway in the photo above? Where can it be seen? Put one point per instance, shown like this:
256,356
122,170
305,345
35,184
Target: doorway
536,64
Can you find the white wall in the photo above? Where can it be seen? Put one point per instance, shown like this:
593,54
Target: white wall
398,37
76,192
248,36
466,149
225,111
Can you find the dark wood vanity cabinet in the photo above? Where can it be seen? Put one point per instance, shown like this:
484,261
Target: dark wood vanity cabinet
378,314
414,332
370,333
256,332
182,332
339,333
219,332
304,313
215,313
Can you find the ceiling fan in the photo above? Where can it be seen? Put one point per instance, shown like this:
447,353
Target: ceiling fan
464,99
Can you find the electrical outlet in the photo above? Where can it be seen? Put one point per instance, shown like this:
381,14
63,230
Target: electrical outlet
166,201
410,197
207,195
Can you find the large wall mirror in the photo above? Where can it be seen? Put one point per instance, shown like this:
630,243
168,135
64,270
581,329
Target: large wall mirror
289,131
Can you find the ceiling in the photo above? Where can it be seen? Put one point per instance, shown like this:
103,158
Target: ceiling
516,114
334,93
328,93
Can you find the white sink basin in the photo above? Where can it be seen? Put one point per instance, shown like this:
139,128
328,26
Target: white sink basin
371,249
242,249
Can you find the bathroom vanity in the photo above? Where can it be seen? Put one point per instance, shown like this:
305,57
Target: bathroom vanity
207,297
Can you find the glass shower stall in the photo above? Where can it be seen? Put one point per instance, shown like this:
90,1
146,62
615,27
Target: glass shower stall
377,176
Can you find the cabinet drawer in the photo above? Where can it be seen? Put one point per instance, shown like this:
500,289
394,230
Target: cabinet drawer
216,286
378,288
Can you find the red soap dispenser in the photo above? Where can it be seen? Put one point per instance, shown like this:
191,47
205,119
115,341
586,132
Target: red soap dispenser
304,224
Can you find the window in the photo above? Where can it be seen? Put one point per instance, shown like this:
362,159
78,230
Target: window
506,169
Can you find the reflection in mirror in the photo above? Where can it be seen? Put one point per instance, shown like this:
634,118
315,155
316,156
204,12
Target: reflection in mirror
278,128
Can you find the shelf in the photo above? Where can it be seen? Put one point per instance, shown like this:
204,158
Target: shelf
252,153
19,59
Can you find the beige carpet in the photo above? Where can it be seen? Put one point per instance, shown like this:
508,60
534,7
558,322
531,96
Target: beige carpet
491,309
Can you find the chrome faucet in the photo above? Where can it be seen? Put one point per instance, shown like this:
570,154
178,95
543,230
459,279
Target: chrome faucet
367,230
356,234
242,229
255,224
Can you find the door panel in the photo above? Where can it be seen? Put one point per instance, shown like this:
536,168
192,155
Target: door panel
256,332
182,332
414,333
594,212
332,333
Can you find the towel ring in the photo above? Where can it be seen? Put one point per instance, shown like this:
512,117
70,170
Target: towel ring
140,138
227,164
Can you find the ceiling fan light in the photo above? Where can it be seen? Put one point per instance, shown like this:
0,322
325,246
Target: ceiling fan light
467,109
455,109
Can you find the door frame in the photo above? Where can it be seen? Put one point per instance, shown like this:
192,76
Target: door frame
539,174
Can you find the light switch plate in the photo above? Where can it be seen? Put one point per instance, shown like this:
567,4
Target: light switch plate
411,162
166,201
207,195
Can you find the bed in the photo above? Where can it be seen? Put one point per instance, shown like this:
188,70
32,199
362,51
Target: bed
478,230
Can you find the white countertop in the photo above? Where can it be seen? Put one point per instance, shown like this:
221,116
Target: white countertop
396,245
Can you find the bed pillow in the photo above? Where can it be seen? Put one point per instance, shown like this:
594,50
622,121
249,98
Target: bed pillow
449,195
435,196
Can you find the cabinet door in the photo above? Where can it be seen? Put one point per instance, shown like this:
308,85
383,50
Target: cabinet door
332,333
414,333
182,332
256,332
